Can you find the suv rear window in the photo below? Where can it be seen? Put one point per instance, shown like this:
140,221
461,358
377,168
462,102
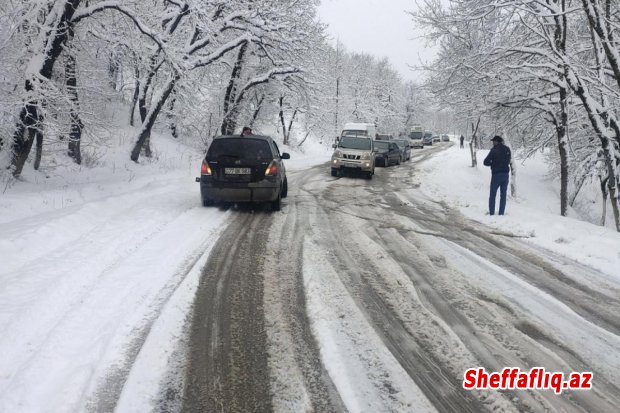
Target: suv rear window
240,148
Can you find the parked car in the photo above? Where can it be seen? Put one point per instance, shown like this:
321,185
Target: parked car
445,138
243,169
387,153
353,151
428,138
405,148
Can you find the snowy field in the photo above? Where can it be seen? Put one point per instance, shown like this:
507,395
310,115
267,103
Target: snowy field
533,214
100,265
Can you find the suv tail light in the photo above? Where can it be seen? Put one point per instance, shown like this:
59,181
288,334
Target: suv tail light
205,169
272,169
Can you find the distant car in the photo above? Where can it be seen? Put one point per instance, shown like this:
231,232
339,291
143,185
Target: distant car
428,138
384,137
436,138
405,148
243,169
445,138
387,153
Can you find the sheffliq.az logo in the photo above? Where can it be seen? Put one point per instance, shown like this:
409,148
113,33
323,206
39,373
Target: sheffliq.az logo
537,378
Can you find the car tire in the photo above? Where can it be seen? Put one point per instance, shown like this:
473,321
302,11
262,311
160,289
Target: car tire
369,175
285,189
207,202
334,172
277,204
398,161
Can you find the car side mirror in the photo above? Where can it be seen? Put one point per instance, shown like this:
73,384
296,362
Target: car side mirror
197,179
334,146
285,156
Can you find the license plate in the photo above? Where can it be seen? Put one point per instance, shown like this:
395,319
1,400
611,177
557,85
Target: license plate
237,171
350,164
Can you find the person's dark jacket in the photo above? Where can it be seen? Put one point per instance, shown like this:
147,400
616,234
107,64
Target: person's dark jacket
498,158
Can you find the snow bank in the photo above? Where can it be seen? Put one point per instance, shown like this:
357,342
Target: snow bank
533,214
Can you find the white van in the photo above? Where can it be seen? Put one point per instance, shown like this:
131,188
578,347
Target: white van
360,129
415,136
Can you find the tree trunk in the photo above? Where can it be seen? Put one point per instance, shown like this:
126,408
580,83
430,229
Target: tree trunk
113,70
145,88
290,127
151,116
562,146
613,190
75,134
601,125
604,192
229,122
304,139
257,108
171,123
281,115
580,181
24,137
30,116
136,94
336,131
473,143
39,149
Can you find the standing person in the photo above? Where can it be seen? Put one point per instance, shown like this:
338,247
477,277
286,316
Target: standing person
462,140
247,131
499,161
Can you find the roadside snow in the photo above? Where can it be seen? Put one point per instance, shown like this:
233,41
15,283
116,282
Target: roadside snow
534,214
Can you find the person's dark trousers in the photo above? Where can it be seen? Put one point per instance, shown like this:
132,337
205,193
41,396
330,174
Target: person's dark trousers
498,180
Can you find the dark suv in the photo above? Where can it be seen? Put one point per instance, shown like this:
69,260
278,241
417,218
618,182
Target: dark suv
243,169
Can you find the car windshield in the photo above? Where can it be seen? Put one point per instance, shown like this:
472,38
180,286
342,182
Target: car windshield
400,143
354,133
240,148
382,145
416,135
347,142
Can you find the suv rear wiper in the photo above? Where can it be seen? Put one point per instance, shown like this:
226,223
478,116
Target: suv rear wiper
228,156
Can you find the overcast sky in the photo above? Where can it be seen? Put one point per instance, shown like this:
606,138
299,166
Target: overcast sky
378,27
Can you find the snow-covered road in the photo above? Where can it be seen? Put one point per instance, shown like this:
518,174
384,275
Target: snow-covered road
358,296
378,298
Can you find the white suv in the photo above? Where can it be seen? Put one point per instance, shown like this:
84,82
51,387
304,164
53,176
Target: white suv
353,153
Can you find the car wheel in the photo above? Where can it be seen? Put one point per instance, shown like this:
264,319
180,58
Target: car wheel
207,202
368,175
334,172
398,161
285,189
277,204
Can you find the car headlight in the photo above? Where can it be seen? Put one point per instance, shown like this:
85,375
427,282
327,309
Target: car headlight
366,157
337,154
